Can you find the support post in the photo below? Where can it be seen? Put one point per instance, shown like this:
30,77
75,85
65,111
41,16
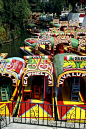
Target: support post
44,87
22,92
0,124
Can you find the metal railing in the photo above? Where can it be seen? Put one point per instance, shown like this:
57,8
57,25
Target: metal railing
45,115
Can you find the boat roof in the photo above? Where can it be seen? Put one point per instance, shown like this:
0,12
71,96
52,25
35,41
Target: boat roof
12,67
32,24
37,65
58,63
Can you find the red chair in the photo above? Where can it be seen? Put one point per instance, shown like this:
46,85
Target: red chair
36,93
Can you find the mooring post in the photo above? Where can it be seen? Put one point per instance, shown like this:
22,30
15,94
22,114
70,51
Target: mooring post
0,124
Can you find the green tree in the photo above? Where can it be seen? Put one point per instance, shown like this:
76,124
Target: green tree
53,6
15,11
1,6
1,10
73,4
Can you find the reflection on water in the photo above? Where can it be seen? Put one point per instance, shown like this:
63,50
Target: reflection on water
13,48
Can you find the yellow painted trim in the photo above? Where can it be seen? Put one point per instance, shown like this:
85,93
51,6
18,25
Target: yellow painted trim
16,104
81,96
53,106
37,75
57,106
82,53
79,47
11,97
11,73
74,71
19,82
19,106
14,93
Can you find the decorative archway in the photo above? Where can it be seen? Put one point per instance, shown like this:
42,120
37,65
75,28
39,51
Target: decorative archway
82,43
81,32
55,21
60,40
63,24
67,74
74,23
45,40
37,73
10,75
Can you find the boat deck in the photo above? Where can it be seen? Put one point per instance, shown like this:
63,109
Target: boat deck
63,98
34,108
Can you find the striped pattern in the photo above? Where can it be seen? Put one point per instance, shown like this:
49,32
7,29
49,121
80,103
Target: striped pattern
74,23
37,57
55,21
63,23
69,57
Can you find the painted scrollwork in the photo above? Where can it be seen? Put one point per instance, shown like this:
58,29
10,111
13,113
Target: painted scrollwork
32,67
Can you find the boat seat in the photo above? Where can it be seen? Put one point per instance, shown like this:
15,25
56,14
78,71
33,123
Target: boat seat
28,90
36,93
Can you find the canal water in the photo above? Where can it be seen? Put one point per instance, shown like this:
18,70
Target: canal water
13,48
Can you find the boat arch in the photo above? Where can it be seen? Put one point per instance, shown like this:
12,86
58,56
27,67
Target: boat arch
43,42
59,41
37,73
10,75
67,74
82,43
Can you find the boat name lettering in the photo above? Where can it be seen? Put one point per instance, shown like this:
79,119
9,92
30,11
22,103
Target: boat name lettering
37,73
70,75
36,57
45,42
63,42
10,76
2,65
78,58
2,61
81,45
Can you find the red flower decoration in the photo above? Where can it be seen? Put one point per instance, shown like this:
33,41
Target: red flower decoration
31,41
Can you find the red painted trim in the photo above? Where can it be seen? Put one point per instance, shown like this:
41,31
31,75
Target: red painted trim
22,92
52,94
17,91
44,87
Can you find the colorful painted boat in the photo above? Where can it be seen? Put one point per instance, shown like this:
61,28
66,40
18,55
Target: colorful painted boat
81,32
63,24
10,77
33,29
42,44
37,88
70,31
75,25
70,82
55,32
28,50
3,55
82,47
54,23
30,41
62,44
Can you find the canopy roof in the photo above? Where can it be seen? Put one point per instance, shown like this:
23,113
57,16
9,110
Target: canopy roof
30,41
56,25
58,63
35,40
74,42
32,24
13,68
38,66
3,55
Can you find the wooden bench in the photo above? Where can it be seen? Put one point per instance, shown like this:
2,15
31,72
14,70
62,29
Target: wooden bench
28,90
